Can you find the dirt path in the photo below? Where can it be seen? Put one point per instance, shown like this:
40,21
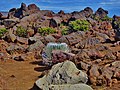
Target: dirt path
18,75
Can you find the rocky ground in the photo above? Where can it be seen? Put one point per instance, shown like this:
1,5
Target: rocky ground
95,49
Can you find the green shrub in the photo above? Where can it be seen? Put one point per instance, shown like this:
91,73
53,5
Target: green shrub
46,30
64,31
21,32
2,31
79,25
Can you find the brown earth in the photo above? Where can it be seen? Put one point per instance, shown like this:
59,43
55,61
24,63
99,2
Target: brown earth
21,75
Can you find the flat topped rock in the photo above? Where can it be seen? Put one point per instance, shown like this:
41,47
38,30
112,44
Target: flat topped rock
64,76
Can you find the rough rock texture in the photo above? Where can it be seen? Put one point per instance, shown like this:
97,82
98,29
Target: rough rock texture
36,46
61,75
14,49
10,22
101,13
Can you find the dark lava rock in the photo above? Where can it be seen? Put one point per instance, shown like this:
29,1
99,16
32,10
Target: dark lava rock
61,12
10,22
101,13
33,7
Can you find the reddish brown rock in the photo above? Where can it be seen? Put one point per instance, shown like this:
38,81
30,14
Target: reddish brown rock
22,40
33,7
94,73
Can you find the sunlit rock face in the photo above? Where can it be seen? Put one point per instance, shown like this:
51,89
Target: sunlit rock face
64,76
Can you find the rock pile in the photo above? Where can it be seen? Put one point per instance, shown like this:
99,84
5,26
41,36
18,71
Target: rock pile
95,51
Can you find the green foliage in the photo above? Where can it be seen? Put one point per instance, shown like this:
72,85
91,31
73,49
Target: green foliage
64,31
46,30
2,31
21,32
106,18
79,25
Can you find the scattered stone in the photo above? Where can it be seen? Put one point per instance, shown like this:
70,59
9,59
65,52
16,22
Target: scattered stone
13,49
36,46
49,38
22,40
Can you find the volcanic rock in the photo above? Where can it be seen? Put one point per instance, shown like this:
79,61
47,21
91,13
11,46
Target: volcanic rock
101,13
50,38
22,40
36,46
10,22
61,12
13,49
94,73
63,75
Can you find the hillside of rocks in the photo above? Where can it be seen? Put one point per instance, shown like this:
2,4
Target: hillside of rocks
95,41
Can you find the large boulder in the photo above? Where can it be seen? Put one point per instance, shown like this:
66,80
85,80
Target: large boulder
32,8
82,15
64,76
71,39
16,49
50,38
22,40
55,21
88,12
36,46
10,22
88,42
101,13
18,13
23,11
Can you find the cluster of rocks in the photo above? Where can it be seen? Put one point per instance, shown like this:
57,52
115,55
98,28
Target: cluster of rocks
92,55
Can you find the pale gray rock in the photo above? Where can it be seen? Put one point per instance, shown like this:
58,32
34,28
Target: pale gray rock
64,76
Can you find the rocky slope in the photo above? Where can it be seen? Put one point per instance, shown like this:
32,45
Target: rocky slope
97,50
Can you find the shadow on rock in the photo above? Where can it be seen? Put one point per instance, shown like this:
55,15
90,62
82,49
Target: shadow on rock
41,69
37,63
35,87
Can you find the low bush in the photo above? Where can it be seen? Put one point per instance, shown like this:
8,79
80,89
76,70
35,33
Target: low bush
106,18
21,32
2,31
79,25
46,30
64,31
